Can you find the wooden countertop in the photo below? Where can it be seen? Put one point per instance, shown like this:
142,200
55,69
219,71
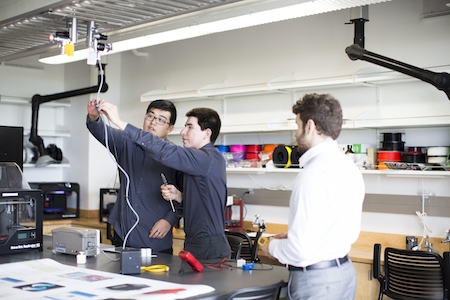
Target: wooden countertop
362,249
76,221
361,254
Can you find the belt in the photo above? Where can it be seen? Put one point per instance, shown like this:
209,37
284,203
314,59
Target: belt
321,265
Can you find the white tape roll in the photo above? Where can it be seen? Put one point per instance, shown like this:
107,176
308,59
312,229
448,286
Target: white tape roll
437,159
438,151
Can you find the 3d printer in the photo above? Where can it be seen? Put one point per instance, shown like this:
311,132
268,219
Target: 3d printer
61,199
21,212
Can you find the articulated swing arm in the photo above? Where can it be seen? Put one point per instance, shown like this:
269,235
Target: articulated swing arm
440,80
37,100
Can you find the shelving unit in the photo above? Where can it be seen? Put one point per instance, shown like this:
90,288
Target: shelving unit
387,173
5,99
369,77
63,164
372,118
59,132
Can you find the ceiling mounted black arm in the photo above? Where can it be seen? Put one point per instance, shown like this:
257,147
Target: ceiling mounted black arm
440,80
37,100
359,16
359,31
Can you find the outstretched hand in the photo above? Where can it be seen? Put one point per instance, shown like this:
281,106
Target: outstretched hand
93,113
112,113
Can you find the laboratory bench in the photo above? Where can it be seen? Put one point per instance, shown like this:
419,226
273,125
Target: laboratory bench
224,281
361,254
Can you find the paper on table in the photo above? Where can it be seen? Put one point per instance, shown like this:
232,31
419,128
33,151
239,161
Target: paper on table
46,278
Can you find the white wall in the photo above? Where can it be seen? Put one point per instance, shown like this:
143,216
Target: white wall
306,48
91,165
26,79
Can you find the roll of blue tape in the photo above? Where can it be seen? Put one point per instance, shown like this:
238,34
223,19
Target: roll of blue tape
223,148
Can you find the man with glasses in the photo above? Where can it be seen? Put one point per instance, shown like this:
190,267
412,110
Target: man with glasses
139,198
204,176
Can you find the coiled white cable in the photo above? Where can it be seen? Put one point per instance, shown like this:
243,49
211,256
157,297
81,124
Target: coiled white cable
127,187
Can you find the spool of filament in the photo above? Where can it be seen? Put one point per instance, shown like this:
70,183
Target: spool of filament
253,152
295,156
251,156
223,148
238,152
254,148
282,156
389,155
238,148
267,151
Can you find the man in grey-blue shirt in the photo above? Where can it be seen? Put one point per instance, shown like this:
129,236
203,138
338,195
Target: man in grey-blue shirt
204,181
140,195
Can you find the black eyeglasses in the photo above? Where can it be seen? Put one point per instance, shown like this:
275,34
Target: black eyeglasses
159,120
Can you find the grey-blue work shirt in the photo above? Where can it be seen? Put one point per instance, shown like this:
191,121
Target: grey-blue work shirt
144,190
204,181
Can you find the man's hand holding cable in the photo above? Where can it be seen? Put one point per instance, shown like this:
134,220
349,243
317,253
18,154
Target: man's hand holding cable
160,229
111,112
170,192
93,113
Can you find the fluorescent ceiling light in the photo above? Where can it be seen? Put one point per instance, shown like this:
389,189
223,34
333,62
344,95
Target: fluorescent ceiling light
202,26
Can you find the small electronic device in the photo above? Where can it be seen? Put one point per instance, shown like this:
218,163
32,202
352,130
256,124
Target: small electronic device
73,240
263,241
248,267
130,261
191,260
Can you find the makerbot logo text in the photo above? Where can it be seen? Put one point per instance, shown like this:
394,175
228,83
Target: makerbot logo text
26,246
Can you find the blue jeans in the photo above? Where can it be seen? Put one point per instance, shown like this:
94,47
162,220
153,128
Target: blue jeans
328,284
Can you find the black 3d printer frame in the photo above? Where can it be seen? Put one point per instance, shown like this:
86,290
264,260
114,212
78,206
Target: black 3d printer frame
55,187
24,238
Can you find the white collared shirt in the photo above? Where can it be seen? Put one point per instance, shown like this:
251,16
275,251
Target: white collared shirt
325,208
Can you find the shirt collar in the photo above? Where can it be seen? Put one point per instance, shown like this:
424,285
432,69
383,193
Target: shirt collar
316,150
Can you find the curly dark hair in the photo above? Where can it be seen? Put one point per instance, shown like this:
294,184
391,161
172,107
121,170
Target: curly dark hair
207,118
324,110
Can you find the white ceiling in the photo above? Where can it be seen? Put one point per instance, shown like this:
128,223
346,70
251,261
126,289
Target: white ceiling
25,24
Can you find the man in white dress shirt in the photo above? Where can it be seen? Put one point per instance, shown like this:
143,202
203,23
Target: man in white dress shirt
325,207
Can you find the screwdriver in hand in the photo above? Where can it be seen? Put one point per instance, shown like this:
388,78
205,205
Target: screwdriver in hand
165,183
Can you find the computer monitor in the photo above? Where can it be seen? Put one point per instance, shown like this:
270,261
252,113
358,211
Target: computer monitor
11,145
